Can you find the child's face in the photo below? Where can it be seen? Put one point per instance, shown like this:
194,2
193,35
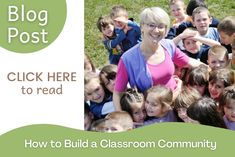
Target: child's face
217,62
118,22
94,91
215,88
152,106
108,30
112,126
180,72
225,38
178,10
109,84
138,112
192,46
201,22
229,110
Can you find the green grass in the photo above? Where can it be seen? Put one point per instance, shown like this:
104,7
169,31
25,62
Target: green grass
95,8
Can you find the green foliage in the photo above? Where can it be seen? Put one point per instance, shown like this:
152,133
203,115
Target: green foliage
95,8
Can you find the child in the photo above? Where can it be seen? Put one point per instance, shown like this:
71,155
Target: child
177,8
100,101
118,121
112,38
193,44
198,78
231,64
226,29
88,64
132,30
204,111
202,20
133,102
158,105
227,105
184,100
98,125
180,72
88,117
108,75
192,4
218,80
218,57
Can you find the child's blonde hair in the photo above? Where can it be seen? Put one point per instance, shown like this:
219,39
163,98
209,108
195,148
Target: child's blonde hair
87,61
172,2
218,50
118,11
98,125
186,97
198,10
163,94
121,118
90,76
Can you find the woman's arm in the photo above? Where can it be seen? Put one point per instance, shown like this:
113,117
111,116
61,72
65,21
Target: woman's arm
116,100
120,84
194,63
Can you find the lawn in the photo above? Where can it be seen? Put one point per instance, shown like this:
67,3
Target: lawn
95,8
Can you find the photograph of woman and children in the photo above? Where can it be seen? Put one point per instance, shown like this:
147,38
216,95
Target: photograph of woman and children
172,65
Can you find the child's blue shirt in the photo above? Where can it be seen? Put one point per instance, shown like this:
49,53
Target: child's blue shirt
132,37
113,46
100,110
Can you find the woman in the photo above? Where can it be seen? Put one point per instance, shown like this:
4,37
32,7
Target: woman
150,62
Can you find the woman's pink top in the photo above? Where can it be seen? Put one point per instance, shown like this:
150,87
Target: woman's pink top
161,73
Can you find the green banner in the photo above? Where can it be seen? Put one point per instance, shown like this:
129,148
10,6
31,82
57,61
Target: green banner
165,139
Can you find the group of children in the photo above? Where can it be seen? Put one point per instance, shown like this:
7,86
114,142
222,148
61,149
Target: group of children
207,95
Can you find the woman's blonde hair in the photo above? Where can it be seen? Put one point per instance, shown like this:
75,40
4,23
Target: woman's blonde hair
155,15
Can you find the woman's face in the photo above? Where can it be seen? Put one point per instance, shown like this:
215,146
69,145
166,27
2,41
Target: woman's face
153,32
